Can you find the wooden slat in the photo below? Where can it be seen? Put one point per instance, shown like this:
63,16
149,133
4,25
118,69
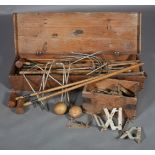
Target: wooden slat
67,32
18,82
109,83
88,32
97,109
110,56
32,44
77,19
97,102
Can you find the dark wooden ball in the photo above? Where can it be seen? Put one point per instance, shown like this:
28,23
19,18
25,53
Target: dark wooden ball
19,63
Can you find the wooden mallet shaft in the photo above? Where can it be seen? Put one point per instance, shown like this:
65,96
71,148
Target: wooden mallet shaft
101,77
59,87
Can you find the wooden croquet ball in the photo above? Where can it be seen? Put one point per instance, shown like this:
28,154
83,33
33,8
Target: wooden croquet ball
75,112
60,108
19,63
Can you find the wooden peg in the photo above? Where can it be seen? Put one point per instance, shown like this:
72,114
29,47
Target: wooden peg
12,101
20,106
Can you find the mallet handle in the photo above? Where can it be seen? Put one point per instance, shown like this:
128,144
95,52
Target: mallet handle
101,77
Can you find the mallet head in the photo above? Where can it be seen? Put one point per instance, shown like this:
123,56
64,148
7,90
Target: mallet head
19,63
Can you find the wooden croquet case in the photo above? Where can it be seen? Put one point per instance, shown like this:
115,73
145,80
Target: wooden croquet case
116,33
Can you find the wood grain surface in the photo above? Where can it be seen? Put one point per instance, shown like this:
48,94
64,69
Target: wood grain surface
77,31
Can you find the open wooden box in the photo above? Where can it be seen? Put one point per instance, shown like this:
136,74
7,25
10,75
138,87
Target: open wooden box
118,34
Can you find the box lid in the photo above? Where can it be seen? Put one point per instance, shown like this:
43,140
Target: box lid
68,32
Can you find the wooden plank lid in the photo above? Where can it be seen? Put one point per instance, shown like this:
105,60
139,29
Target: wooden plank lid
57,33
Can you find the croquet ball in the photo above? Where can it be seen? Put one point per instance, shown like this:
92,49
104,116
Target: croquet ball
60,108
75,111
19,64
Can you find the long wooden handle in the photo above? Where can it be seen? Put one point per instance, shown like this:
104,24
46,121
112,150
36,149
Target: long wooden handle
60,87
101,77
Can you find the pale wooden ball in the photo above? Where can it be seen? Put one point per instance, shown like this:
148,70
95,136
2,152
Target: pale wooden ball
60,108
19,63
75,111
